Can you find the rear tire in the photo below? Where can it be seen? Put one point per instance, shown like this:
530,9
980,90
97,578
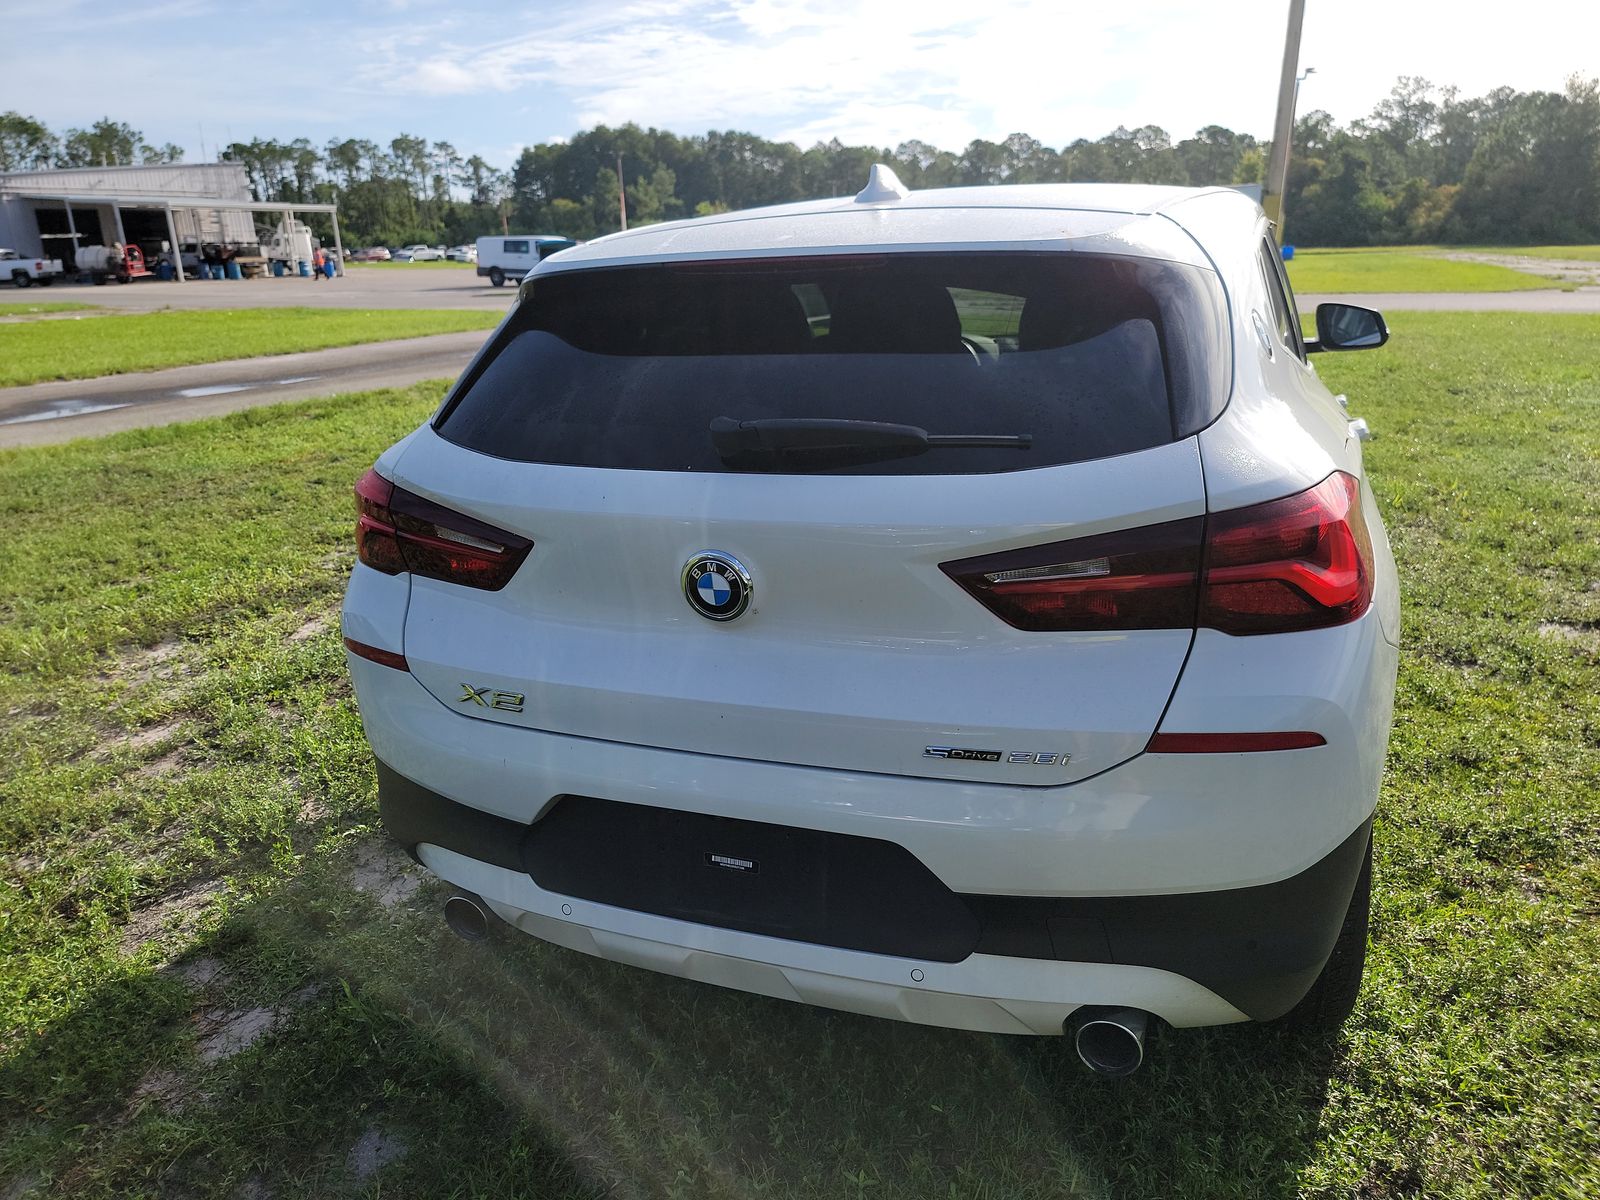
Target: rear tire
497,277
1332,997
22,279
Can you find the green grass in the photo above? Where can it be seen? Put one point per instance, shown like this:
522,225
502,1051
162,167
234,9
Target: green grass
1325,271
110,345
53,306
185,800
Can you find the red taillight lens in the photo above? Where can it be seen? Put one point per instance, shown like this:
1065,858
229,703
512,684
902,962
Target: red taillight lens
1233,743
397,531
384,658
1145,578
1302,562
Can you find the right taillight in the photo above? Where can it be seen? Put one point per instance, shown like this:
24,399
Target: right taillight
399,531
1144,578
1302,562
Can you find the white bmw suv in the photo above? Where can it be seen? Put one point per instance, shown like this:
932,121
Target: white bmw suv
963,607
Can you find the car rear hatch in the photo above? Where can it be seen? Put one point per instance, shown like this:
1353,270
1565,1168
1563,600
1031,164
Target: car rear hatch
1011,612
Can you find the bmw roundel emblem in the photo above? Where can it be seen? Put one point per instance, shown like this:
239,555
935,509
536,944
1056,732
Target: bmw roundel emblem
716,585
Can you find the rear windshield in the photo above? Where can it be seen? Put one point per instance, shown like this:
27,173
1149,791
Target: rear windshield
627,367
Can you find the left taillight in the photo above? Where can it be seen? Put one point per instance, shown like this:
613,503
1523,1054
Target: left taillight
399,531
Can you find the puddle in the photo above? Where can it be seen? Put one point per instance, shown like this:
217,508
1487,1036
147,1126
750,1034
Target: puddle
215,389
63,408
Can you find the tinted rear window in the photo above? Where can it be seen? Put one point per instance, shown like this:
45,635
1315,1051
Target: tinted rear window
627,367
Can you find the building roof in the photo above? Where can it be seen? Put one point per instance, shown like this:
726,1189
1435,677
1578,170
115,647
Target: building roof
219,180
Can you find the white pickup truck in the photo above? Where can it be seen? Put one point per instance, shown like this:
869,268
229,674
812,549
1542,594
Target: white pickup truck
25,272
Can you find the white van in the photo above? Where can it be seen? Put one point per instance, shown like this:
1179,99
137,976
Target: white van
503,258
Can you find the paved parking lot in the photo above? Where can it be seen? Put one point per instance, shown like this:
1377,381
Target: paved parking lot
359,287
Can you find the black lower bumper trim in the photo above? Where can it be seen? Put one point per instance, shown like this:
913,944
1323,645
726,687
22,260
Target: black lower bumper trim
1259,948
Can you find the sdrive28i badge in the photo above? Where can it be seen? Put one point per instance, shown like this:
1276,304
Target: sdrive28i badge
1038,758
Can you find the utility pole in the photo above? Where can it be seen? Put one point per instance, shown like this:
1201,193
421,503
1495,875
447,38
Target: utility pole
1283,128
622,194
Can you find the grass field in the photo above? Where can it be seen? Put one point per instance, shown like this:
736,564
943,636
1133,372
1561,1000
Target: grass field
219,982
1401,270
112,345
24,309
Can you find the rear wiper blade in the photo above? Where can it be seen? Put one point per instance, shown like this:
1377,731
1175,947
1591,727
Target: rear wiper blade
733,438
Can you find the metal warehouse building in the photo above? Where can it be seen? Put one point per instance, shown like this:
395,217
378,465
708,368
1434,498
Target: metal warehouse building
51,214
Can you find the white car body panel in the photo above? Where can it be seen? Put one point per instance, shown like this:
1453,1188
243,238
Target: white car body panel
1134,830
809,675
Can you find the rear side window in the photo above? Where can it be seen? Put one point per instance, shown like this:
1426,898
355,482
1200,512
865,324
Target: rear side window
626,367
516,247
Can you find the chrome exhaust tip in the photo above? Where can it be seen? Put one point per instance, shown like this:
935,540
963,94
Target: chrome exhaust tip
465,915
1110,1041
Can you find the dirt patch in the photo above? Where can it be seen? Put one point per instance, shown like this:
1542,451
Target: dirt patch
312,628
1567,270
375,1149
313,808
139,667
160,1086
1586,636
177,912
169,763
223,1032
139,740
200,972
143,739
382,870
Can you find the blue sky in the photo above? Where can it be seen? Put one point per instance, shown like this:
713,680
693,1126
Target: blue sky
493,77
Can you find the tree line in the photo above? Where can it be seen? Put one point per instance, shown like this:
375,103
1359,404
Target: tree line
1426,165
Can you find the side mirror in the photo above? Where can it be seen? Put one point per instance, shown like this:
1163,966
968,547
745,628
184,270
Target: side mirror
1348,327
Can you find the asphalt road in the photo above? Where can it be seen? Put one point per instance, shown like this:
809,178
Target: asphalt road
44,413
400,286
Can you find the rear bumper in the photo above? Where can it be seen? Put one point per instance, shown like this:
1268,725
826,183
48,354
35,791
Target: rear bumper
998,963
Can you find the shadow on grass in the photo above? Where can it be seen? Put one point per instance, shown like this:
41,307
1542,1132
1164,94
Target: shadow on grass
397,1059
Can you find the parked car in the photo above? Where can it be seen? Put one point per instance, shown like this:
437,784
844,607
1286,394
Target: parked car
503,258
966,607
462,254
24,271
371,254
419,254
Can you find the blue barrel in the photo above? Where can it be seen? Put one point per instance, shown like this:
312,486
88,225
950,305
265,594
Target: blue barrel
305,269
277,268
164,271
234,272
203,271
1288,253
